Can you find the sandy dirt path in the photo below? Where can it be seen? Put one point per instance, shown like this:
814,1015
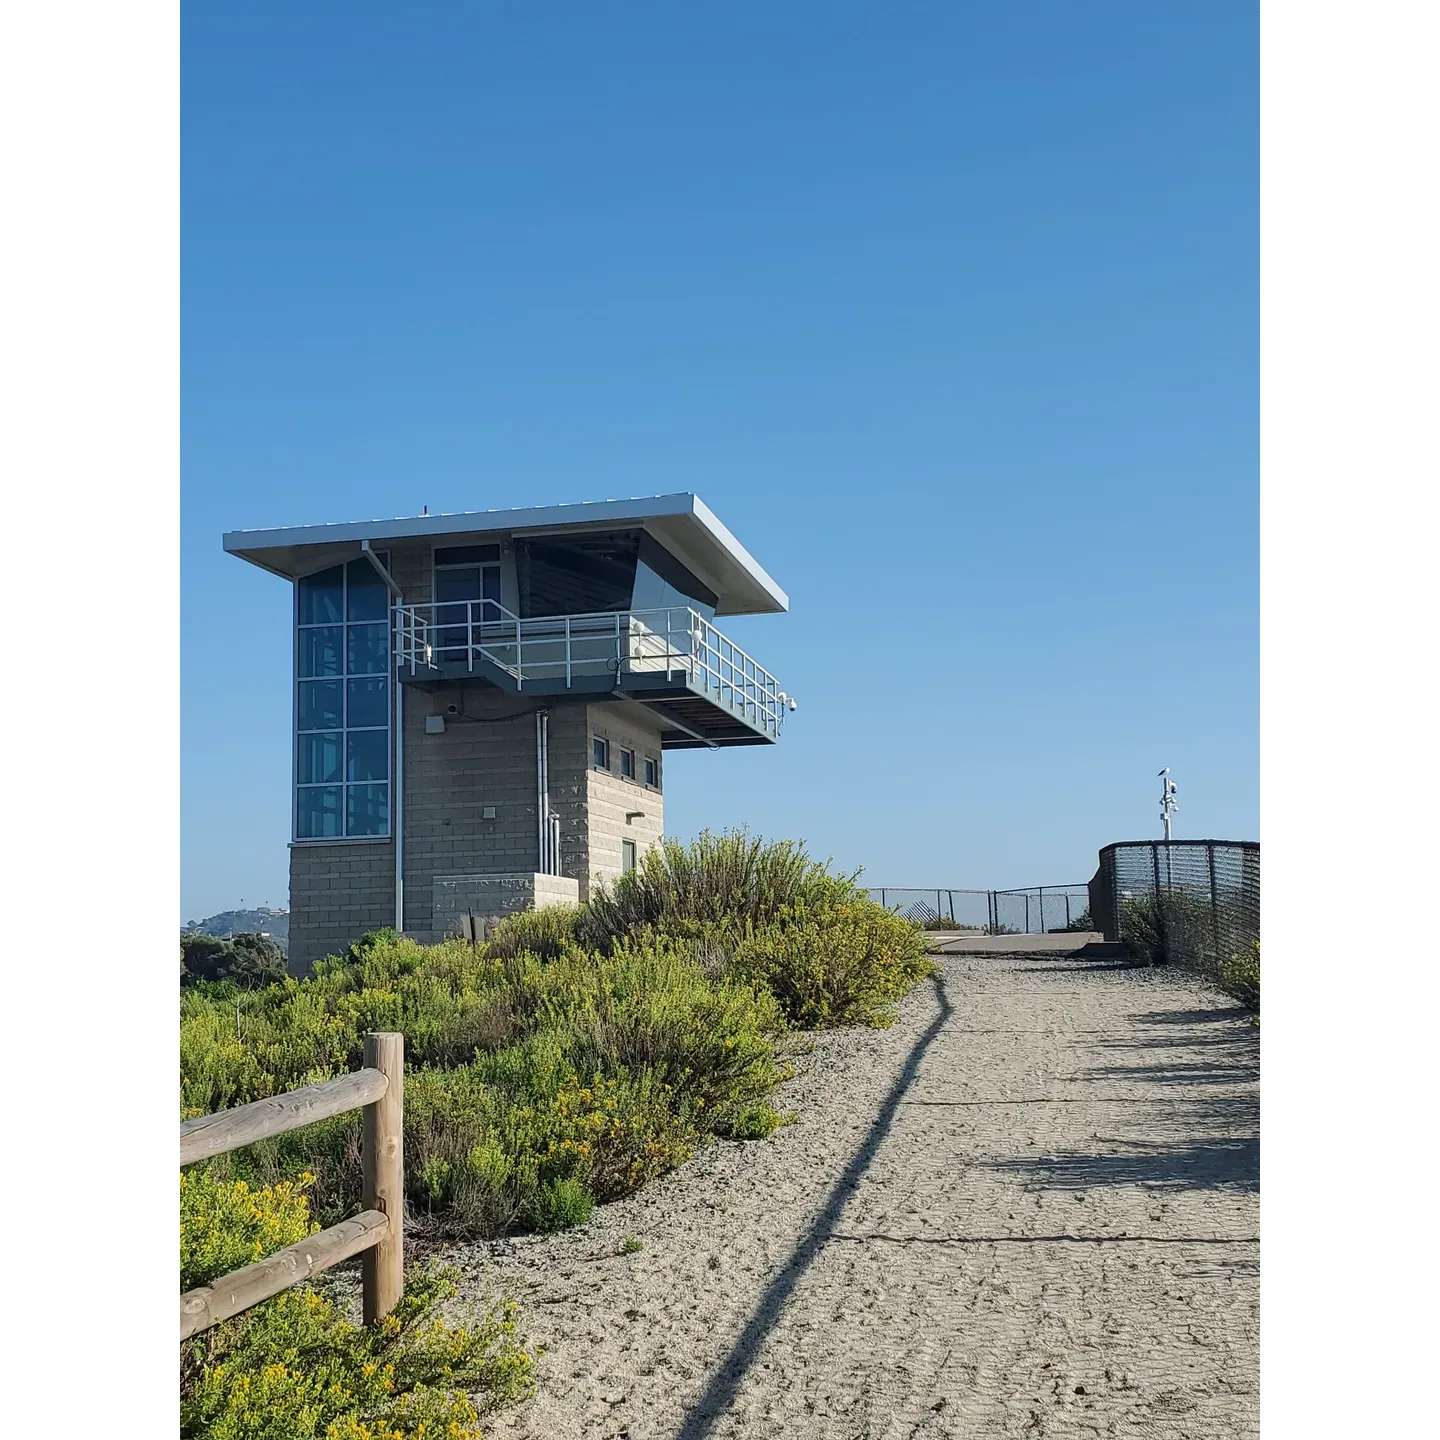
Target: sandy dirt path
1028,1209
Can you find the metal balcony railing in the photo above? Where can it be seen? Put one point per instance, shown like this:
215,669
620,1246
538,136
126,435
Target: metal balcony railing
451,635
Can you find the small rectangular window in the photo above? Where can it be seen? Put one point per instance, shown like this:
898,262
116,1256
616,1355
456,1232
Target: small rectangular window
627,856
602,754
627,764
652,774
467,555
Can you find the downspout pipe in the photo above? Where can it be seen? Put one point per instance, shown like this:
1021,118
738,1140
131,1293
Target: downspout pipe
542,774
397,785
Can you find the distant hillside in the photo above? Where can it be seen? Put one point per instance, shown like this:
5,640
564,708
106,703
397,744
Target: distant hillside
274,923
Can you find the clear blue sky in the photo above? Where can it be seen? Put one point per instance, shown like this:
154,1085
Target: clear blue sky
950,312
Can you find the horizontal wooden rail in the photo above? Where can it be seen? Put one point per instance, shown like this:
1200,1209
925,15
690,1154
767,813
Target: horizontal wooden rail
230,1129
378,1232
200,1309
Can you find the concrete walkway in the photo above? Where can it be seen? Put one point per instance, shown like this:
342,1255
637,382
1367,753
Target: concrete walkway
1030,1208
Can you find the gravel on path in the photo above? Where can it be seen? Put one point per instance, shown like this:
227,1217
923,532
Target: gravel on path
1029,1208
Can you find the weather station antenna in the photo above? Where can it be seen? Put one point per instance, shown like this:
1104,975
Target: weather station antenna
1167,800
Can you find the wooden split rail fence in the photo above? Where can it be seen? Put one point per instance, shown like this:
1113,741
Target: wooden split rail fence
377,1231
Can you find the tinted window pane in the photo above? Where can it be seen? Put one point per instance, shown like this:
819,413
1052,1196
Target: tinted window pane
320,705
467,554
367,809
601,755
322,597
458,584
627,764
369,755
319,758
318,813
652,773
322,651
366,596
367,649
368,704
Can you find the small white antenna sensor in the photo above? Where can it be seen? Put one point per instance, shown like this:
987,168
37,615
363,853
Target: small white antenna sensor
1167,799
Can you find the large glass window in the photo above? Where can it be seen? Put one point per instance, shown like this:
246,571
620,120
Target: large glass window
342,709
467,597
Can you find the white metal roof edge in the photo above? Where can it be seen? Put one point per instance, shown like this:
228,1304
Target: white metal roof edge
246,543
742,557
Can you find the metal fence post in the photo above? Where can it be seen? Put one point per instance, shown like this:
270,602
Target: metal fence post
1160,926
1214,906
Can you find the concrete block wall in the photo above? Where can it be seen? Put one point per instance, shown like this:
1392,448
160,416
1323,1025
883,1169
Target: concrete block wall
485,758
495,895
338,891
610,798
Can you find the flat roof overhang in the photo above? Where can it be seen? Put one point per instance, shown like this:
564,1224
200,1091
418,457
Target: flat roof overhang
682,523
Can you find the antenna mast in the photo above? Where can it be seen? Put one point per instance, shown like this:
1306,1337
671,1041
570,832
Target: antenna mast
1167,800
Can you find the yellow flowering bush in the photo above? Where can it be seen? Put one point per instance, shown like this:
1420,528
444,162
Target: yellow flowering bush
295,1369
225,1224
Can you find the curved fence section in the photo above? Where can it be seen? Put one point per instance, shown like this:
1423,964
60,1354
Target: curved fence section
1179,902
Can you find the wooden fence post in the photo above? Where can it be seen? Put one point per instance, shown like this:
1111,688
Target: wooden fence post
383,1159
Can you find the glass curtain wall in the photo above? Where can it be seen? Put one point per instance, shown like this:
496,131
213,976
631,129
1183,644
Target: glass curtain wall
342,704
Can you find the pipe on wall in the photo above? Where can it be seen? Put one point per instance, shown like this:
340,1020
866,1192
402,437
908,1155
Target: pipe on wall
542,807
397,788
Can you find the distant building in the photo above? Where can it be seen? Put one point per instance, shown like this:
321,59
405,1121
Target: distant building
547,662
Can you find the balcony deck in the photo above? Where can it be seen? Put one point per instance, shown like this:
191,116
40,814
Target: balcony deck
702,688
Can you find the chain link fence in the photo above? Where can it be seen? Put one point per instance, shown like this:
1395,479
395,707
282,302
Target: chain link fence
1180,902
1034,910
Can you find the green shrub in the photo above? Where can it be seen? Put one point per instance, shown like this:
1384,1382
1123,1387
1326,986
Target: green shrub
546,933
294,1369
225,1224
836,963
717,886
755,1122
597,1045
243,962
561,1204
1240,976
1173,927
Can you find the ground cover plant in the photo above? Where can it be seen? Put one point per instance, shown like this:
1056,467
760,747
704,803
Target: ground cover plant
294,1368
578,1053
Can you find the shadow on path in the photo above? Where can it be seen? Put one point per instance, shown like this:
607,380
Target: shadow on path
1193,1165
732,1370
